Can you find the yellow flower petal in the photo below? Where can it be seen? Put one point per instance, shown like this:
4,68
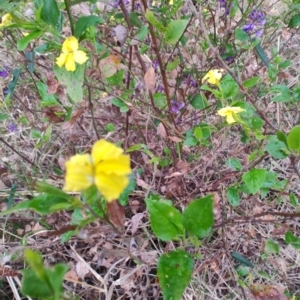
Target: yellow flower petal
70,62
213,76
111,186
70,45
6,19
79,173
229,118
229,112
103,149
61,60
80,57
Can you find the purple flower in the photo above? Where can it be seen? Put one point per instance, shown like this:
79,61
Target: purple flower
258,17
190,81
159,89
248,27
3,73
176,106
12,127
116,3
222,3
259,33
155,64
226,5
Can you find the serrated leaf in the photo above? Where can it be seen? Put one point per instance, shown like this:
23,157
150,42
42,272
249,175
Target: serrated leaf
166,221
234,164
293,139
254,179
198,217
83,23
175,30
174,271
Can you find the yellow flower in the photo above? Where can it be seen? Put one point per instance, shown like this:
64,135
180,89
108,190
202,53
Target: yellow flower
213,76
106,167
171,2
229,112
6,20
70,54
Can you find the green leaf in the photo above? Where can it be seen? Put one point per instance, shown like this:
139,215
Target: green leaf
276,149
271,247
72,80
254,179
166,221
199,101
251,82
152,20
262,55
12,85
175,30
3,117
23,42
33,286
172,65
281,136
30,60
47,99
123,199
292,240
294,200
43,204
229,87
135,20
119,103
43,187
174,271
233,196
234,164
241,259
50,13
283,93
84,23
190,139
294,21
198,217
160,100
293,139
142,33
241,35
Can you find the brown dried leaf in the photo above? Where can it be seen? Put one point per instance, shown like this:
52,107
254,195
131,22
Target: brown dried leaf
5,271
116,213
54,114
81,269
52,83
77,113
174,139
268,292
135,220
150,79
109,66
71,275
161,131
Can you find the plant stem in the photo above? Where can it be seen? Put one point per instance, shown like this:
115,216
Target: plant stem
67,4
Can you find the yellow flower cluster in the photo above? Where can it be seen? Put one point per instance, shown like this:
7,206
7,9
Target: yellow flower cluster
106,167
213,76
230,113
6,20
70,54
